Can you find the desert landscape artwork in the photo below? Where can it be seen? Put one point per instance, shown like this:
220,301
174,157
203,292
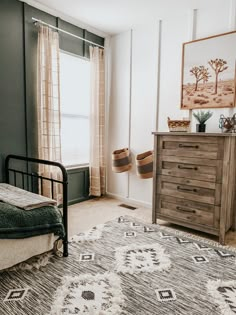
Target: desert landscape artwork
208,72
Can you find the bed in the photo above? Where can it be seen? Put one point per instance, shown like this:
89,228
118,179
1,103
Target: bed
19,240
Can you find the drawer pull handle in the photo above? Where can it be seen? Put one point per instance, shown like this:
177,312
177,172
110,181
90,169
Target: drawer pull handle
182,167
181,145
185,210
186,189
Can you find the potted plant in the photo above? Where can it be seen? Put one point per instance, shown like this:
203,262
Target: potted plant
202,117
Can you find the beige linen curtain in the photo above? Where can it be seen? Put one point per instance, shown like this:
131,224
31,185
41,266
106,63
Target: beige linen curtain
48,107
97,122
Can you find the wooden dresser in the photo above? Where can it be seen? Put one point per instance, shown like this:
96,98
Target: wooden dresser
194,180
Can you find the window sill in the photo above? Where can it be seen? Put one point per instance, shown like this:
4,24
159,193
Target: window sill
73,167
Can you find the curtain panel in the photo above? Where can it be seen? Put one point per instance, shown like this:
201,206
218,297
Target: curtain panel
48,107
97,122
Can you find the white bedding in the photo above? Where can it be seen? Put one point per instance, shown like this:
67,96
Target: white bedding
14,251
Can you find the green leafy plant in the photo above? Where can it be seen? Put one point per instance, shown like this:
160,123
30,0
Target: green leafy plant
202,116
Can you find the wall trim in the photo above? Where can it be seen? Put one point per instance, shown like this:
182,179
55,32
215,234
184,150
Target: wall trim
192,36
77,200
77,169
134,202
193,24
130,102
232,15
108,63
25,88
158,74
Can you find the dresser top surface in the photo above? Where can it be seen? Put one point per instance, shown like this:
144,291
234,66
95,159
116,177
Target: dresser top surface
183,133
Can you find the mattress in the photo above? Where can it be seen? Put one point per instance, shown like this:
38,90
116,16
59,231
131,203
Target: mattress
14,251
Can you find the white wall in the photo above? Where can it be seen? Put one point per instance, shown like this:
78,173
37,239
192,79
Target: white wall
220,20
119,109
174,32
143,103
146,86
133,103
207,22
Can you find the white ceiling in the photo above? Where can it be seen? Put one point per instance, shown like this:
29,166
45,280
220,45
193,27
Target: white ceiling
116,16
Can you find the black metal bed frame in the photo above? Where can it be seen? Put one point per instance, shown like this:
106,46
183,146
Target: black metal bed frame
34,176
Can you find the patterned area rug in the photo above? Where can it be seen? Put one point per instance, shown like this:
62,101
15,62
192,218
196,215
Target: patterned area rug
125,267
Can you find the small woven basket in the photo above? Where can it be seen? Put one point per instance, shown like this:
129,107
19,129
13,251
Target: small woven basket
144,163
178,125
121,160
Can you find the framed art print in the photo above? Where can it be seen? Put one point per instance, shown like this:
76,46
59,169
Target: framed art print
208,72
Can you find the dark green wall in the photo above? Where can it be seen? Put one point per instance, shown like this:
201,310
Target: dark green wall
68,43
12,96
18,61
78,188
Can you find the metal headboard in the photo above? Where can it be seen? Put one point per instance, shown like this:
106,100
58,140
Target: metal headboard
25,175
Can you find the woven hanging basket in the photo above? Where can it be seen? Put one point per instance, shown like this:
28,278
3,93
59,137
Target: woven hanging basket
121,160
144,163
178,125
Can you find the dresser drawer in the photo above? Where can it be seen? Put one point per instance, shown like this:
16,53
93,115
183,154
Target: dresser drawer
188,211
189,146
190,189
194,168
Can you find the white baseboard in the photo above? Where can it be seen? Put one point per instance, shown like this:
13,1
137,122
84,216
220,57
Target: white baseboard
130,201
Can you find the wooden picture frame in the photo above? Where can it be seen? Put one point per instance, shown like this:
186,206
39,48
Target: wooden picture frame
208,72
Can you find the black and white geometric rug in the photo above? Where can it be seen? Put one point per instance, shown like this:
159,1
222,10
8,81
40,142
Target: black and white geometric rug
125,267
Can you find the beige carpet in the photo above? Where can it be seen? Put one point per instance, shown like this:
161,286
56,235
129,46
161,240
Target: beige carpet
85,215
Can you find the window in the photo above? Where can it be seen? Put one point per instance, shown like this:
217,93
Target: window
75,98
